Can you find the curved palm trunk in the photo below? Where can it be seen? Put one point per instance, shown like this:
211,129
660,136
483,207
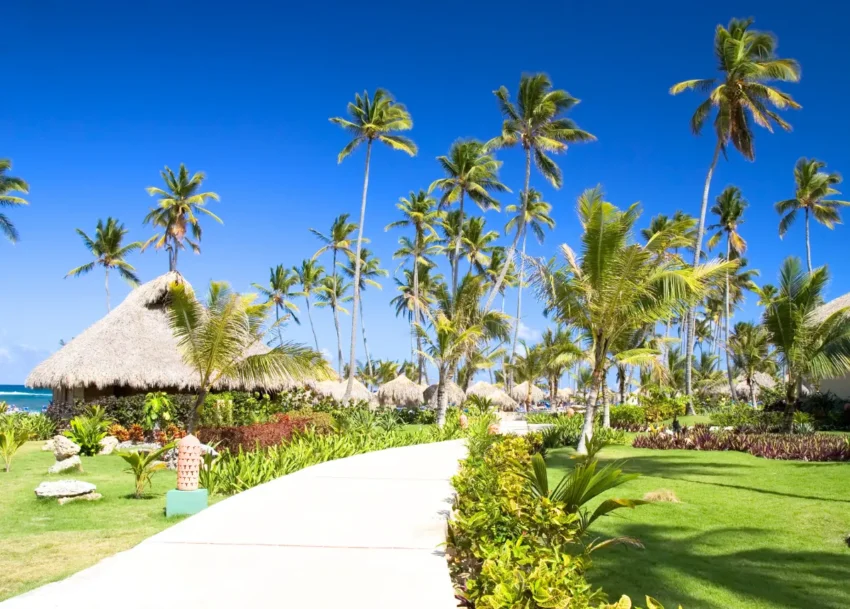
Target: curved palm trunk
106,283
590,411
365,344
752,386
456,260
726,326
442,396
691,329
338,340
277,323
356,306
622,386
808,244
606,406
312,327
519,300
520,229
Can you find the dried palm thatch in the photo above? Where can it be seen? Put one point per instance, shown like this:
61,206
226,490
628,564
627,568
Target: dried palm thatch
133,346
742,389
453,391
401,391
496,395
336,390
520,392
565,393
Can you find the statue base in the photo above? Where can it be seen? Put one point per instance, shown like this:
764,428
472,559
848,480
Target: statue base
181,503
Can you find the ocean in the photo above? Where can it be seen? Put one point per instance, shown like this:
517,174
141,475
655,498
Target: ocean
18,396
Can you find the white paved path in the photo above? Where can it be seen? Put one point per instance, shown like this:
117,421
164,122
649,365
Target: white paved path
358,533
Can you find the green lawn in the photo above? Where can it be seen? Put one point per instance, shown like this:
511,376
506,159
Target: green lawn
749,533
42,541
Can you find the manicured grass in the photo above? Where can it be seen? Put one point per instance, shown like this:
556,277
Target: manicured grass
749,533
42,541
688,420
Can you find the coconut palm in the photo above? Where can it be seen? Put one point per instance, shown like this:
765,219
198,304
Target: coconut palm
370,269
561,352
469,171
483,357
458,325
707,376
332,292
477,244
536,123
529,367
729,209
309,276
740,96
177,212
811,345
338,240
279,292
109,253
813,186
9,184
379,119
219,340
615,287
498,260
750,347
766,294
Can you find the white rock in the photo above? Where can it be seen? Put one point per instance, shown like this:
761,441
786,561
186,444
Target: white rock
48,446
729,429
86,497
66,464
107,445
64,488
64,448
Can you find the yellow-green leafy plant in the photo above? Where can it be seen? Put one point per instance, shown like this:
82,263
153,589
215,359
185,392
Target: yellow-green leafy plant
11,439
157,409
87,430
143,465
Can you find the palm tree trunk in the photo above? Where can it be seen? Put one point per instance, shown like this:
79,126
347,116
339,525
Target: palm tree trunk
420,358
356,305
277,323
365,344
106,283
193,418
752,391
456,260
590,411
520,229
808,244
338,340
623,387
442,397
174,257
689,354
606,406
518,300
726,325
312,327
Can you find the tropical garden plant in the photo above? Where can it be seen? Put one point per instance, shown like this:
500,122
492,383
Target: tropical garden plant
87,430
279,292
8,185
143,465
750,348
11,439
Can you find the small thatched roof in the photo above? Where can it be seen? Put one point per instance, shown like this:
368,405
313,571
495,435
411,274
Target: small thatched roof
133,346
456,397
336,390
401,391
760,380
482,388
519,393
824,311
496,395
565,393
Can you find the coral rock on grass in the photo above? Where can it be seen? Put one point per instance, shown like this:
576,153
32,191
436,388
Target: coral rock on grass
66,464
48,446
107,445
64,448
86,497
661,495
64,488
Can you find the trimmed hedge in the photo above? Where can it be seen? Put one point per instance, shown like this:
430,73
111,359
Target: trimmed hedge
265,435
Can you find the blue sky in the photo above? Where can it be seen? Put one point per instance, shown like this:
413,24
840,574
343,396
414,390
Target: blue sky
99,96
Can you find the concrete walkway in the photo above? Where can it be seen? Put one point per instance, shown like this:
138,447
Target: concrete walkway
359,533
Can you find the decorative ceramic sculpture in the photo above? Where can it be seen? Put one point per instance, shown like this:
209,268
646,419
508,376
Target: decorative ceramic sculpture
464,421
188,463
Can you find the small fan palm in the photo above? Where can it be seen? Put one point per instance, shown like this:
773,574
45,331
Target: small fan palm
279,292
10,184
108,252
310,274
813,188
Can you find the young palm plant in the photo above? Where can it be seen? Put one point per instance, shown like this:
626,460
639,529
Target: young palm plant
379,118
10,184
813,188
279,293
177,212
143,465
108,252
310,275
740,96
750,347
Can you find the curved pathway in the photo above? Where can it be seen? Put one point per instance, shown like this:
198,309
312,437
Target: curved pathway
358,533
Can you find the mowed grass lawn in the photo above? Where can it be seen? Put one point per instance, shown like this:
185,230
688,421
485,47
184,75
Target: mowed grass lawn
749,533
42,541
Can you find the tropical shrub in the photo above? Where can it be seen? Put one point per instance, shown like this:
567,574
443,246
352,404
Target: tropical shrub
628,417
744,417
36,426
828,411
143,465
11,439
172,433
88,430
418,416
119,432
264,435
136,433
609,435
157,410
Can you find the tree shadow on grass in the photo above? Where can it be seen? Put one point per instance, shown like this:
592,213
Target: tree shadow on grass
694,570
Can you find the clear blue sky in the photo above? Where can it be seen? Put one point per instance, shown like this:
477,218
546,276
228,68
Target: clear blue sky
99,96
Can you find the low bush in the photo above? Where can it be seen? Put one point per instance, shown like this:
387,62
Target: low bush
119,432
264,435
34,426
744,417
87,430
418,416
628,417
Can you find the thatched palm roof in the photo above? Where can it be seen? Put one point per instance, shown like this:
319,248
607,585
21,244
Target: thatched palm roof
519,393
564,393
401,391
455,395
481,388
133,346
760,380
837,304
336,390
496,395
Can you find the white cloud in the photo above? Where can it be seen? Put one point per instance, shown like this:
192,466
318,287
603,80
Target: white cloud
326,353
5,355
528,333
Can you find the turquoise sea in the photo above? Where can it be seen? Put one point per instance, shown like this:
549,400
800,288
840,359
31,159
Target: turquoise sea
18,396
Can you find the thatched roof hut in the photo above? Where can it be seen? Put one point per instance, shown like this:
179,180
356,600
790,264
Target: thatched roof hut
496,395
564,393
519,393
482,388
130,350
401,391
336,390
760,380
456,397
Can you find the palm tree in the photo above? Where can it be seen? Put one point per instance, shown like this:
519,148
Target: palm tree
535,123
811,345
108,252
332,292
370,268
10,184
750,346
309,276
767,293
470,170
279,292
529,367
458,326
561,352
477,244
813,186
729,209
177,212
615,287
483,357
707,376
498,260
337,241
740,96
220,340
369,120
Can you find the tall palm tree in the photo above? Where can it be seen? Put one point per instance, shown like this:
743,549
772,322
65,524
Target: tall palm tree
177,212
338,240
614,287
451,227
332,292
561,352
750,346
469,170
219,339
279,292
810,344
310,276
499,260
535,215
529,367
729,209
477,244
740,96
813,186
109,252
370,269
369,120
9,184
482,357
536,123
